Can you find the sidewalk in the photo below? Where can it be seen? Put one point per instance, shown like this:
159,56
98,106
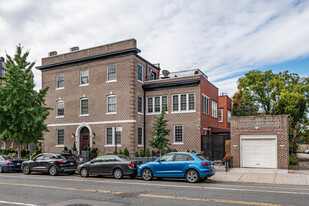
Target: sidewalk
268,176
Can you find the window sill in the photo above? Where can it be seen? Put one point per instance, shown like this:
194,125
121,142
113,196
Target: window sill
59,117
59,145
84,115
108,113
176,143
179,112
140,113
60,88
83,85
220,121
110,81
157,113
140,81
112,146
140,146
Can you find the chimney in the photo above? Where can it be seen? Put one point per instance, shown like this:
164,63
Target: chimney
73,49
52,53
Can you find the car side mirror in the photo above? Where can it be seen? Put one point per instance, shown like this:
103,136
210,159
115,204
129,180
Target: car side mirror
159,160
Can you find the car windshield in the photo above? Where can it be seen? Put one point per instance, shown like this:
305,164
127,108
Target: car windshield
58,157
202,157
69,157
124,158
8,157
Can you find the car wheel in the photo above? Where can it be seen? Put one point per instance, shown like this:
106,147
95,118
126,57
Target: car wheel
26,170
147,174
192,176
84,172
118,174
53,171
1,169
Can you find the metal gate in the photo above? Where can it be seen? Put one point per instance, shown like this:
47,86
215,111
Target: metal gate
213,146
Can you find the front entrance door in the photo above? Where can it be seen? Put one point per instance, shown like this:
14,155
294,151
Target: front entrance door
84,138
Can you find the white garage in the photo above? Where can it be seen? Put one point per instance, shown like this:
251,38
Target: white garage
258,151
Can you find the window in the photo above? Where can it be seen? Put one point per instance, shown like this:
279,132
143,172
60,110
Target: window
214,108
84,77
59,109
140,73
157,104
11,144
111,134
60,137
2,145
84,106
140,136
140,105
164,102
111,72
183,157
220,115
187,103
60,81
178,134
111,104
229,114
150,105
167,158
205,104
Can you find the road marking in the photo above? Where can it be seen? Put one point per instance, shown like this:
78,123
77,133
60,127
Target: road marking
61,188
250,190
16,203
209,200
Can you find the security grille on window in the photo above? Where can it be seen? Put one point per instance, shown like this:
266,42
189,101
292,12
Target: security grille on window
164,102
140,105
60,80
175,103
205,104
111,104
60,109
111,133
220,115
140,73
184,103
157,104
229,114
140,136
111,72
150,105
214,108
60,137
84,77
84,106
178,134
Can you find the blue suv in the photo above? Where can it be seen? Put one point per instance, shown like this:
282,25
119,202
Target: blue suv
193,167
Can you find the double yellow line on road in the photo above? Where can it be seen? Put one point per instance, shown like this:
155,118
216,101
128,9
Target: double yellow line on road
146,195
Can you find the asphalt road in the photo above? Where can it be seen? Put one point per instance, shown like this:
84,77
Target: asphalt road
40,189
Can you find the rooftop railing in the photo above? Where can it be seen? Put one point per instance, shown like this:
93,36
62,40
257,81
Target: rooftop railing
187,73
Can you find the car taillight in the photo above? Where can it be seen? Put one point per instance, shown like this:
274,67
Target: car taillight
9,163
205,164
61,161
130,164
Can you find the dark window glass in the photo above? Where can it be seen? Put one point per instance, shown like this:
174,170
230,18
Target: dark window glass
183,102
84,76
202,157
60,137
109,136
60,108
182,157
175,103
157,104
178,134
167,158
111,72
191,102
60,80
140,104
164,102
140,73
84,106
150,105
140,136
111,104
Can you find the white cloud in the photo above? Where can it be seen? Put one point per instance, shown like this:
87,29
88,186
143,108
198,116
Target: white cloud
222,38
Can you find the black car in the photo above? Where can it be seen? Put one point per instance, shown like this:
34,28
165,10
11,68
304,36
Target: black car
116,165
9,163
51,163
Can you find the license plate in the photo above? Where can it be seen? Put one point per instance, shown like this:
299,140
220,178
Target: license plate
18,163
71,163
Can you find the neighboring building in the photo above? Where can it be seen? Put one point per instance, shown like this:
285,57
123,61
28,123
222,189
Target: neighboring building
110,92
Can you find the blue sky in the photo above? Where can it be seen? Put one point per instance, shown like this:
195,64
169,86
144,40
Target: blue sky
225,39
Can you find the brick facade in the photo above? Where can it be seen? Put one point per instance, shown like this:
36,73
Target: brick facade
266,124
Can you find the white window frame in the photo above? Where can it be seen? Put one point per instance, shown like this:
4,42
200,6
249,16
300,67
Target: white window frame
142,73
214,108
107,112
142,105
59,116
153,105
11,144
140,145
59,145
80,78
187,103
220,111
113,137
229,116
178,143
107,68
57,76
3,145
80,106
207,109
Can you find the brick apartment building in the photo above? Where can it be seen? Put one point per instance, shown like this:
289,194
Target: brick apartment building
110,94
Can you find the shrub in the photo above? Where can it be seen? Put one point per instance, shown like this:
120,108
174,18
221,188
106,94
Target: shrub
126,152
136,154
85,148
101,154
74,147
142,153
193,151
120,152
147,152
168,150
293,160
36,153
65,148
174,150
23,152
188,151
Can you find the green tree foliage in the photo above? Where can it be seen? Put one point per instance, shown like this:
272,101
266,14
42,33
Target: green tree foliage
148,153
22,109
275,94
160,132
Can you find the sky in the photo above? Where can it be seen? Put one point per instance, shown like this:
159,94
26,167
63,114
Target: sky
224,39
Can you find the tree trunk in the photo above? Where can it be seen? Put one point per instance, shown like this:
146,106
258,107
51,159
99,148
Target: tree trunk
18,149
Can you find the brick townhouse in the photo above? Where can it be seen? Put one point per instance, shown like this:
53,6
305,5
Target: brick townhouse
109,96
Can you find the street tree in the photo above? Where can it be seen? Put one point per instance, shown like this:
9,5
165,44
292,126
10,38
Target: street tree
22,109
160,131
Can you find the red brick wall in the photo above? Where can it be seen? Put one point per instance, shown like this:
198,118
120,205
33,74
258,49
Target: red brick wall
225,103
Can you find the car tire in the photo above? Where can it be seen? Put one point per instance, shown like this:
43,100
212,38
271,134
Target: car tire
1,169
84,172
26,170
147,174
53,171
118,174
192,176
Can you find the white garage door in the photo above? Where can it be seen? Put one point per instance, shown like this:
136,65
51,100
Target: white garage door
259,151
